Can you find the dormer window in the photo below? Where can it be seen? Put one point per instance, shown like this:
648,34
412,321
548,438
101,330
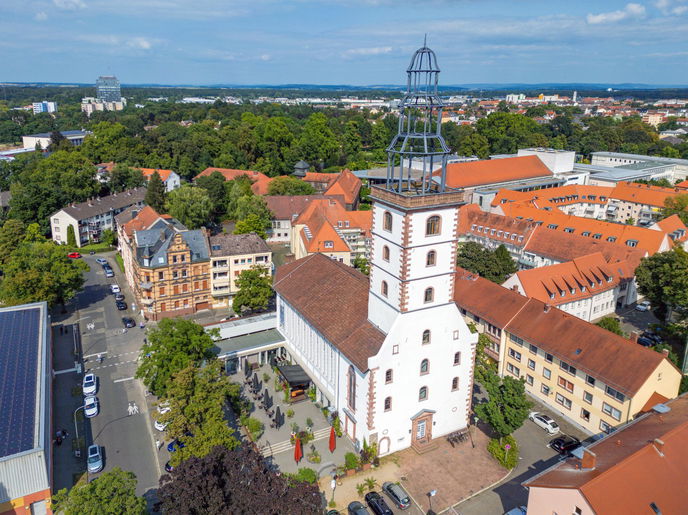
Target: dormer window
551,295
329,244
611,239
552,226
586,233
631,243
597,236
572,291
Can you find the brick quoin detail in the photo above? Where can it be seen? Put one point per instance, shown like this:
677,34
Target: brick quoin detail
470,385
371,399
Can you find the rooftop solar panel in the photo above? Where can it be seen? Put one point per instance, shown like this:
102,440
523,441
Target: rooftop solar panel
19,358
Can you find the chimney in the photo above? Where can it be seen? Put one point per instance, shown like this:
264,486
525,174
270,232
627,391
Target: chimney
547,308
634,336
659,446
515,288
589,459
665,352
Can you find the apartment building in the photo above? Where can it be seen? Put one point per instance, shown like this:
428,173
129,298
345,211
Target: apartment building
231,254
89,219
285,210
170,179
678,167
594,378
43,139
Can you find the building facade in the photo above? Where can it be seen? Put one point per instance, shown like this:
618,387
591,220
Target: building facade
108,89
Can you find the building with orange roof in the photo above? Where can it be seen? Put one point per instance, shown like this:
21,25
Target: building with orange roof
170,179
642,203
348,186
285,210
640,468
587,286
259,179
320,181
674,227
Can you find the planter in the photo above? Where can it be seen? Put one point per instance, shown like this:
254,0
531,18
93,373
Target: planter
365,466
350,472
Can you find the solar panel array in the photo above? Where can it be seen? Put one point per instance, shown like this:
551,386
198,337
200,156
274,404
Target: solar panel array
19,357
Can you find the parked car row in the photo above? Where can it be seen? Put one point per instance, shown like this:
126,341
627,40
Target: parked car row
89,387
377,503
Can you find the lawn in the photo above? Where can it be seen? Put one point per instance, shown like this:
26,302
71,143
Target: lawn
120,262
95,247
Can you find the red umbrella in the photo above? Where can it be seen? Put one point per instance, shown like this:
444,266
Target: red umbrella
297,451
333,440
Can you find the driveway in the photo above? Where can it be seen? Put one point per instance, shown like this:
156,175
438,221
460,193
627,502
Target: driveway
633,320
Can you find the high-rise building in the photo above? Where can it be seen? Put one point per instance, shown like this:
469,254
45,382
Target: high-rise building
44,107
107,89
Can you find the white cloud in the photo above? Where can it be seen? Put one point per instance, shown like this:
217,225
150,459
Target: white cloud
69,4
378,50
135,42
633,11
41,16
265,57
672,7
141,43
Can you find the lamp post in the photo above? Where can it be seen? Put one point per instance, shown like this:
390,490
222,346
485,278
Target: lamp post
431,494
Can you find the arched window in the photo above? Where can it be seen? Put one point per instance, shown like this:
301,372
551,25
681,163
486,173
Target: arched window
389,376
385,253
429,295
387,221
351,390
424,367
457,358
388,403
384,289
426,336
455,384
423,393
431,258
432,225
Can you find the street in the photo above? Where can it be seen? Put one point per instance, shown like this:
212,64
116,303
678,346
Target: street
123,428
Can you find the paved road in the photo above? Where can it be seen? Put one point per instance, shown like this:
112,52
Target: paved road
128,441
633,320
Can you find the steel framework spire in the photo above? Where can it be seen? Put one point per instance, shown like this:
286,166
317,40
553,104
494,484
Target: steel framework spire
419,140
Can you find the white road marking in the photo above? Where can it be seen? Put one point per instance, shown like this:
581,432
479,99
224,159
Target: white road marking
123,379
97,354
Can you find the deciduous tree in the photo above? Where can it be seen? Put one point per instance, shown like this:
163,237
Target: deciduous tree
611,324
663,280
287,185
11,235
507,406
676,205
215,186
255,289
190,205
252,224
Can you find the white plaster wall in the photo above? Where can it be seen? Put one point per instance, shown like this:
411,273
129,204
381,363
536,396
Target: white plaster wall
58,225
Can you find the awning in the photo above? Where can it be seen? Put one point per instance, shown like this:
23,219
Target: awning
294,375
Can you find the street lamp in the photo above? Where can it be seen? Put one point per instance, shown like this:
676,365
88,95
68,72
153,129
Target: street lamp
76,431
431,494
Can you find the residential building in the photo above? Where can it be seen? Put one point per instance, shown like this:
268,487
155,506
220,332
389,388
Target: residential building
90,104
108,89
592,377
44,107
672,226
231,254
259,179
640,468
170,179
26,456
641,203
320,181
348,186
43,139
679,167
285,210
89,219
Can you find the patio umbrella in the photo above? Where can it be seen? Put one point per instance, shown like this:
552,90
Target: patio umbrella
333,440
298,454
266,398
255,382
247,371
278,417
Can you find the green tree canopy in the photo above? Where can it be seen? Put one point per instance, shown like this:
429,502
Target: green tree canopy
215,186
287,185
611,324
318,143
156,194
663,280
677,205
255,289
108,142
11,235
494,265
190,205
507,406
111,493
252,224
124,178
173,345
71,236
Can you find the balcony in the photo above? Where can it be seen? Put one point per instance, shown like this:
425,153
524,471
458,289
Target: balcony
146,285
412,199
147,301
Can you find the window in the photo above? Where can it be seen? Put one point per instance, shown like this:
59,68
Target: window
351,390
544,389
516,339
515,355
429,295
431,258
613,393
388,376
547,373
455,384
175,274
329,244
161,276
585,414
611,411
457,358
587,397
529,379
424,367
388,404
384,289
162,290
565,384
605,427
568,368
387,221
432,226
514,370
532,348
531,364
563,401
590,380
395,349
426,336
184,273
385,253
423,393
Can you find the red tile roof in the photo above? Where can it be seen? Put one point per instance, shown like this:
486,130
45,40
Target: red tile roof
289,207
321,217
347,185
494,171
318,177
148,172
260,180
499,228
674,227
333,298
644,193
142,221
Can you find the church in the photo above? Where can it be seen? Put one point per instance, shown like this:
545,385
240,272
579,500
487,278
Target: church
391,352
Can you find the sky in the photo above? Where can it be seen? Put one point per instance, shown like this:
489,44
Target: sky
357,42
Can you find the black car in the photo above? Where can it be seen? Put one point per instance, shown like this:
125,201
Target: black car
168,467
377,504
565,444
356,508
646,342
119,296
652,336
398,495
121,305
128,322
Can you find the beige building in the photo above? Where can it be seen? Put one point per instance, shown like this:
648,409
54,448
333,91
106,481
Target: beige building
231,254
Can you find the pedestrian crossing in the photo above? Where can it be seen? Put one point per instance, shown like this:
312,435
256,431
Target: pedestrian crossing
270,450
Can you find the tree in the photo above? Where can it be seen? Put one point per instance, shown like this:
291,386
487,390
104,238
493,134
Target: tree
361,264
234,481
318,143
124,178
190,205
507,132
676,205
507,406
215,186
352,140
253,205
11,235
71,238
113,492
252,224
255,289
495,266
237,189
611,324
109,237
172,346
156,194
41,271
287,185
663,280
502,265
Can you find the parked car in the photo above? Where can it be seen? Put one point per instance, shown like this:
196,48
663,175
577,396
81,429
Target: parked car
102,261
168,467
356,508
174,445
565,444
377,504
89,385
74,255
652,336
160,426
114,288
119,296
163,407
94,459
643,306
108,272
646,342
121,305
397,494
544,422
519,510
128,322
91,406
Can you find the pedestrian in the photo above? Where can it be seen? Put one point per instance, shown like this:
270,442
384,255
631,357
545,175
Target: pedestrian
141,324
58,441
65,434
61,330
158,444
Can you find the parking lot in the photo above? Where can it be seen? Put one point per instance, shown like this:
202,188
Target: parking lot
634,320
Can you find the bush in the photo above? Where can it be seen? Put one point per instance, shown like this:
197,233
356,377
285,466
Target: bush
306,475
351,460
496,448
254,426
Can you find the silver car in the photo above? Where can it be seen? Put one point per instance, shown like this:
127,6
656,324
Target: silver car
91,406
544,422
94,459
90,384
